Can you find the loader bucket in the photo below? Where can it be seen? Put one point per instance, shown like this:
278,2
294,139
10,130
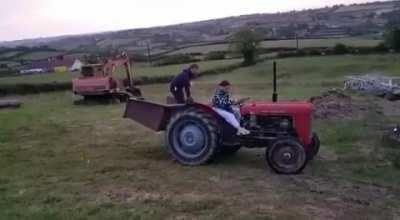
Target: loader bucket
151,115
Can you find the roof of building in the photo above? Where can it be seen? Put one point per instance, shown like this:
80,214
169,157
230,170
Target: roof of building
52,63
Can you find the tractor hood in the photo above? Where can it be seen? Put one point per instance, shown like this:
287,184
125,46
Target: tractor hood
279,108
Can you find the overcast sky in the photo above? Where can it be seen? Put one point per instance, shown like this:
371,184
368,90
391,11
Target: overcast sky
20,19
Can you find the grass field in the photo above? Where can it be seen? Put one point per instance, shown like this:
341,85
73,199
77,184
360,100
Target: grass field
355,42
39,55
140,70
60,161
8,54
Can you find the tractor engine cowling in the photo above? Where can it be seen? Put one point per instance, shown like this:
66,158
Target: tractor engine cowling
268,121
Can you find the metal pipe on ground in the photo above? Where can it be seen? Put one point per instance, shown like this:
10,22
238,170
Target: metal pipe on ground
10,104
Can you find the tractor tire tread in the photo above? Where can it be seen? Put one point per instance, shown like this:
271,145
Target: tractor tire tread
211,127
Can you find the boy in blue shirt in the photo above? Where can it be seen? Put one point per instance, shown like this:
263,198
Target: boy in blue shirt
181,83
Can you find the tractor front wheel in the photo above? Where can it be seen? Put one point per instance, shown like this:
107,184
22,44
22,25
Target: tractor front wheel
391,97
192,137
313,149
286,156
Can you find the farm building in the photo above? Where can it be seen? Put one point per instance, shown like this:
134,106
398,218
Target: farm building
40,66
57,64
61,64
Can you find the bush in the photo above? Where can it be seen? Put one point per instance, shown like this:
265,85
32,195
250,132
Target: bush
247,43
381,48
5,74
392,39
295,53
176,59
215,55
139,58
25,88
340,49
314,52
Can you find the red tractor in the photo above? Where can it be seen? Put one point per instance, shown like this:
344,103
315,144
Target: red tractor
196,134
101,80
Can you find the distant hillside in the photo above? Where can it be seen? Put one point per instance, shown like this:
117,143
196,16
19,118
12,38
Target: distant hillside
337,21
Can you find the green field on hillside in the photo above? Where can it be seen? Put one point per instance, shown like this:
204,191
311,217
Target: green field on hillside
7,55
140,70
307,43
63,161
39,55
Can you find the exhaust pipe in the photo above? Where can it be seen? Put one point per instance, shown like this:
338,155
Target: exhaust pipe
275,94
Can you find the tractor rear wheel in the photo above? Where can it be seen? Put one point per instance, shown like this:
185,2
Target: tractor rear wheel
286,156
192,137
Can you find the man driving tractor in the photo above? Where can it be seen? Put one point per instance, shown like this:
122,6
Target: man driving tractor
223,105
183,82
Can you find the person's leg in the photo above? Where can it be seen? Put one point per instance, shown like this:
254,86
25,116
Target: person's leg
178,95
229,117
236,112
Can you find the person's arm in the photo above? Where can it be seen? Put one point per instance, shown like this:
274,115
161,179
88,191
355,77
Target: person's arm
241,101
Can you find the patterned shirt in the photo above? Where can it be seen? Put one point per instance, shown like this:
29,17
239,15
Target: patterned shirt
222,101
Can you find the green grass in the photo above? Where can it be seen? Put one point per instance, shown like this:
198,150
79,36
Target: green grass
311,74
354,42
61,161
37,79
175,69
10,63
8,54
140,70
39,55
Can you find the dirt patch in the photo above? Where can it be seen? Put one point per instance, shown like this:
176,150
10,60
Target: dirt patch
334,104
123,194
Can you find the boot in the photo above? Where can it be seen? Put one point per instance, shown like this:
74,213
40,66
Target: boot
243,131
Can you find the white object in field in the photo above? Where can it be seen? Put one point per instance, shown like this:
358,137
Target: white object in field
373,83
76,66
10,103
31,71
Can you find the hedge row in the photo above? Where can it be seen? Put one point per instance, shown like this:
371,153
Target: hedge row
176,59
25,88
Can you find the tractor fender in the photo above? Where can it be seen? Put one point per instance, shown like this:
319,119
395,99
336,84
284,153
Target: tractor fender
227,131
157,116
205,108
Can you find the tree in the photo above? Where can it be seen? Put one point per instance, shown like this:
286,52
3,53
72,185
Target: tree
392,39
246,42
340,49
